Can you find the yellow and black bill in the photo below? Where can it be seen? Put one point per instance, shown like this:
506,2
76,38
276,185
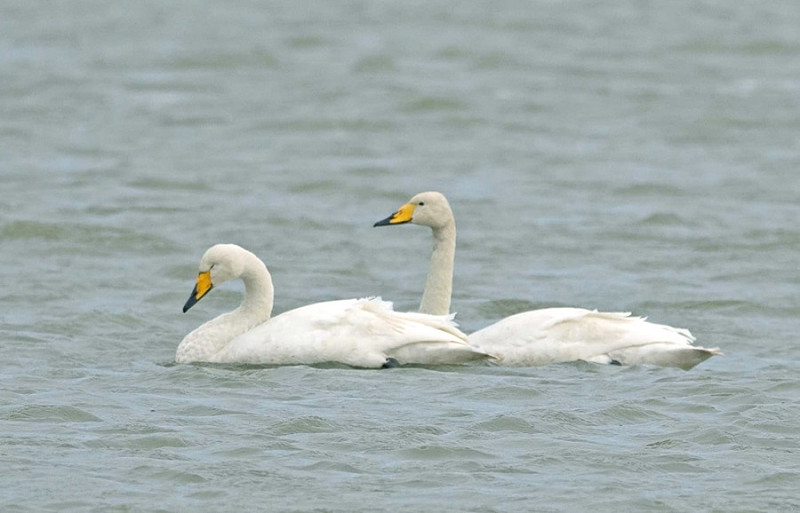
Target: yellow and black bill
402,216
201,288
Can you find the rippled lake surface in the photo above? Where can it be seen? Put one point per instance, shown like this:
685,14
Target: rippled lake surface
629,156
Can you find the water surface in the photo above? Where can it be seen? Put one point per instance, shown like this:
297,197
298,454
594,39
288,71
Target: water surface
640,157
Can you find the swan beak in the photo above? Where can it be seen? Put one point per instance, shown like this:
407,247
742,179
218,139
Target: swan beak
201,288
404,215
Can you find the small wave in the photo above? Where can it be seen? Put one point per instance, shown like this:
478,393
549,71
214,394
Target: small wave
662,219
50,413
508,423
83,235
438,452
305,424
434,104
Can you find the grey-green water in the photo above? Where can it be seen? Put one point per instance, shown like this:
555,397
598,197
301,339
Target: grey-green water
633,155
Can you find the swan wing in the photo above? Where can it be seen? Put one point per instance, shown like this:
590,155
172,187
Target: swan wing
551,335
419,338
357,332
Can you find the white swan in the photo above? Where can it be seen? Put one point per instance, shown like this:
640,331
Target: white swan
547,335
356,332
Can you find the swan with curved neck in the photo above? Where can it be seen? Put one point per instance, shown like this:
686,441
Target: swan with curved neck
547,335
356,332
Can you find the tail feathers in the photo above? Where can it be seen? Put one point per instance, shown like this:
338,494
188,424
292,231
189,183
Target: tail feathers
422,338
438,353
665,355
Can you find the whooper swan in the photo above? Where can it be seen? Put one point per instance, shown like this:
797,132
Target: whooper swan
356,332
547,335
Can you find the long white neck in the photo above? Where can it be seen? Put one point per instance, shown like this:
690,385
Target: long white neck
259,293
439,285
256,307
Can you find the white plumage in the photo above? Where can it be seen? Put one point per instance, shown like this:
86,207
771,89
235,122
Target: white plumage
358,332
548,335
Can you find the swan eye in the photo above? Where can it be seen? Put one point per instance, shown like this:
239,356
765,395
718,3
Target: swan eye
421,203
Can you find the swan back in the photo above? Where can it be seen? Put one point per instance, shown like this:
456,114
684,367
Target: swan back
357,332
551,335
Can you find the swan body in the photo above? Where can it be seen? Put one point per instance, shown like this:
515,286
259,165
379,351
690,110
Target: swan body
357,332
548,335
552,335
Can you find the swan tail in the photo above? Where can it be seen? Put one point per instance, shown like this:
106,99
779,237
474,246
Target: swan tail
665,355
423,338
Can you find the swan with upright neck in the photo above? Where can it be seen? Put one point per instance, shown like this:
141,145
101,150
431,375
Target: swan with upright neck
547,335
356,332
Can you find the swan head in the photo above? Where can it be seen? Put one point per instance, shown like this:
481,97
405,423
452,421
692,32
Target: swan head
220,263
426,208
